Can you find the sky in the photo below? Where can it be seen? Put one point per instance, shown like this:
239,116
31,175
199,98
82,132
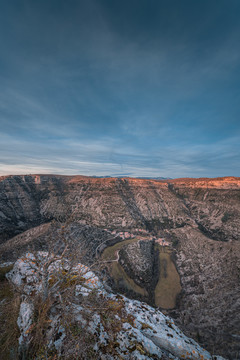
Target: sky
120,88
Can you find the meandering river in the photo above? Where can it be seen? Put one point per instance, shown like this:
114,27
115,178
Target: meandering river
168,286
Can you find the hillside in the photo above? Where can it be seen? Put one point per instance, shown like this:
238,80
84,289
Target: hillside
199,217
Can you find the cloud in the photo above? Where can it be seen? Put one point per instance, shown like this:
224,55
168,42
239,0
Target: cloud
96,89
102,159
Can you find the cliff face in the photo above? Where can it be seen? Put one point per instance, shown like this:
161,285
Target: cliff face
140,261
202,216
27,201
213,206
52,237
22,202
209,304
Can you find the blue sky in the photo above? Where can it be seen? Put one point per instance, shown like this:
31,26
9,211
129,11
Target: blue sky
130,87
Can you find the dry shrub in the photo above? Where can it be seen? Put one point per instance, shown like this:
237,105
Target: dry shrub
3,271
9,310
38,330
78,343
60,295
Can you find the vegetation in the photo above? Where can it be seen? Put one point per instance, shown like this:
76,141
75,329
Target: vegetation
58,297
3,271
117,272
9,310
168,286
77,342
226,217
121,277
110,252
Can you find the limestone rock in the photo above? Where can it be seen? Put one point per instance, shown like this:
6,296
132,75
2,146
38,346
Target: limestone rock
145,332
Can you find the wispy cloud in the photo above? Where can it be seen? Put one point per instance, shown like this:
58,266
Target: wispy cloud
100,159
96,89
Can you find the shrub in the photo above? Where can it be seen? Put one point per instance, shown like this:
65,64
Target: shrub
9,310
226,217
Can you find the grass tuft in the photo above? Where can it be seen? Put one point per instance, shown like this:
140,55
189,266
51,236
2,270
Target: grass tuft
9,310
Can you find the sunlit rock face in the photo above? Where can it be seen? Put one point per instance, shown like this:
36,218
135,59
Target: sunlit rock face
201,217
144,332
214,204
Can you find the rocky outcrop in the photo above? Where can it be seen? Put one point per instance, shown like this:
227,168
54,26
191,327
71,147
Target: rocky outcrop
84,239
19,206
208,306
140,261
142,332
213,204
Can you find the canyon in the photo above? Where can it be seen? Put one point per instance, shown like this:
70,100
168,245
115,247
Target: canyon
198,218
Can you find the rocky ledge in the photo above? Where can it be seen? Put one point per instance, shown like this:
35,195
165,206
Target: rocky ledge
115,326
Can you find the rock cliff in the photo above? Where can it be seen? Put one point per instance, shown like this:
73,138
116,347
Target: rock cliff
140,261
212,205
199,217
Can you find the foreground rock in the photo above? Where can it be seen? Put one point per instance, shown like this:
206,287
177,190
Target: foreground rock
118,327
